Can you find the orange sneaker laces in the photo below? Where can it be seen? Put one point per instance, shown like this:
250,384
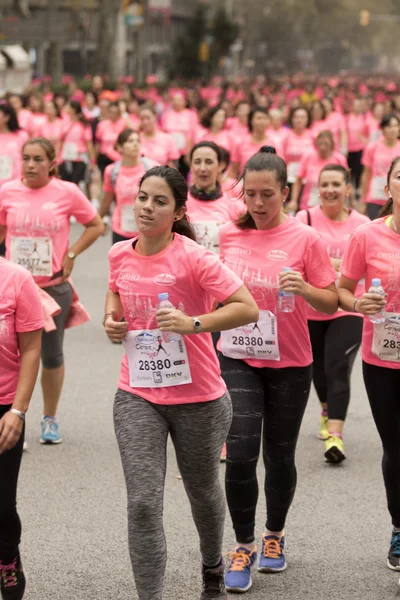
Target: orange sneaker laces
272,548
239,560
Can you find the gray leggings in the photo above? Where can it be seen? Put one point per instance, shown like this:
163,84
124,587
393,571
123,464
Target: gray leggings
52,341
198,432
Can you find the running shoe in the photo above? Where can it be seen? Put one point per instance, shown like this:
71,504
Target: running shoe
213,583
323,428
50,431
223,454
393,561
12,580
273,554
238,575
334,449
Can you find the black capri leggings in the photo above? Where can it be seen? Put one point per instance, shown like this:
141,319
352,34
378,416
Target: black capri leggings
356,167
73,171
335,344
52,341
383,385
271,401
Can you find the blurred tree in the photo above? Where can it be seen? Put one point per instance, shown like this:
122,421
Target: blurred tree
223,32
108,14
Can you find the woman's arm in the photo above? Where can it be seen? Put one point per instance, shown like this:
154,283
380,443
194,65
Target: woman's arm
11,425
365,181
367,304
113,313
106,201
92,231
294,196
322,299
343,140
3,233
91,152
237,310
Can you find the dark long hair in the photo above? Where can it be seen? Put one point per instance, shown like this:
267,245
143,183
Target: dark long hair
8,110
179,189
388,208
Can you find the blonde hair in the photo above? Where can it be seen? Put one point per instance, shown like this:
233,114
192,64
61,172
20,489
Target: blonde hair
49,150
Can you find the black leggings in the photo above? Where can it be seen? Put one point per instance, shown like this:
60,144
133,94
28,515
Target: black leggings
356,167
10,524
73,171
335,344
272,401
383,385
116,237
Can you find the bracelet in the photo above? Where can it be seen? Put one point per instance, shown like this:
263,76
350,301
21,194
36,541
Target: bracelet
19,413
105,317
354,306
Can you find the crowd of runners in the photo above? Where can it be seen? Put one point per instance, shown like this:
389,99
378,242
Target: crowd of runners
255,247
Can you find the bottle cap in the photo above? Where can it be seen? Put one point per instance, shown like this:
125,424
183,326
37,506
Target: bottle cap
163,296
376,282
287,269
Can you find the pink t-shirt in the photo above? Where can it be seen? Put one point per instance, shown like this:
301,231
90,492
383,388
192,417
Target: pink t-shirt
37,120
52,131
181,125
25,120
309,170
335,123
194,278
278,136
234,125
20,311
294,148
232,188
107,133
357,128
11,155
161,148
335,236
223,138
41,217
75,140
258,258
317,127
126,190
374,251
374,128
378,157
245,148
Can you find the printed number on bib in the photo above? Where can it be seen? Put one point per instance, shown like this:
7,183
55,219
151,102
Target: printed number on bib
180,139
378,188
128,221
5,167
292,171
70,151
255,341
207,234
386,340
35,254
154,363
314,197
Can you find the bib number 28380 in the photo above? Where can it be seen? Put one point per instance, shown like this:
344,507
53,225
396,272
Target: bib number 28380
255,341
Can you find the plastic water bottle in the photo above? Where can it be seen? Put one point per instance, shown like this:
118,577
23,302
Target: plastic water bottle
168,336
376,288
286,300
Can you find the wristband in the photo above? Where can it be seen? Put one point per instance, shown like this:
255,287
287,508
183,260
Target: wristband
19,413
105,317
354,306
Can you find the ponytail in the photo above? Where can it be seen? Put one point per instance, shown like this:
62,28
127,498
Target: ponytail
387,209
184,227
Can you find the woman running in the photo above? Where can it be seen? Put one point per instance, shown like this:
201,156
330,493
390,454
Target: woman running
54,127
21,322
357,134
376,160
155,144
373,251
77,149
107,132
268,375
298,141
181,123
214,129
310,167
12,138
336,124
34,215
335,339
158,396
121,184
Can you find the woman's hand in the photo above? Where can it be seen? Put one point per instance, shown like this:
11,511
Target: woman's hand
116,330
10,431
171,319
67,266
369,304
337,263
292,281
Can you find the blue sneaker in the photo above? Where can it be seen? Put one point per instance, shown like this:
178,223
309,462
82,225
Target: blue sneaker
272,558
50,431
393,561
238,575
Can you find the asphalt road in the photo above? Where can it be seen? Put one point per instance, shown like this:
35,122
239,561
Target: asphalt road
72,497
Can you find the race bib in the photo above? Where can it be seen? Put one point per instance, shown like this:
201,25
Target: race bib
35,254
378,188
386,340
180,139
292,171
5,167
70,151
314,198
255,341
128,221
154,363
207,234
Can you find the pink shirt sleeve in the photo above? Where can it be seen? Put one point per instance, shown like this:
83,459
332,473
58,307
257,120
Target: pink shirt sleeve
112,271
3,214
353,264
29,310
318,266
87,134
107,185
302,171
302,217
173,152
368,156
81,208
216,278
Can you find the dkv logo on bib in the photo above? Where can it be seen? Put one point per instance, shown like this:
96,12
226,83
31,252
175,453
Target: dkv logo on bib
277,255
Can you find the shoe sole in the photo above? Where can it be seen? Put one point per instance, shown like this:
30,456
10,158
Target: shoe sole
322,438
236,590
49,442
269,570
334,455
392,567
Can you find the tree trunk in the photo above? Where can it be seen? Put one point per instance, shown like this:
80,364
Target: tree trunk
106,36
